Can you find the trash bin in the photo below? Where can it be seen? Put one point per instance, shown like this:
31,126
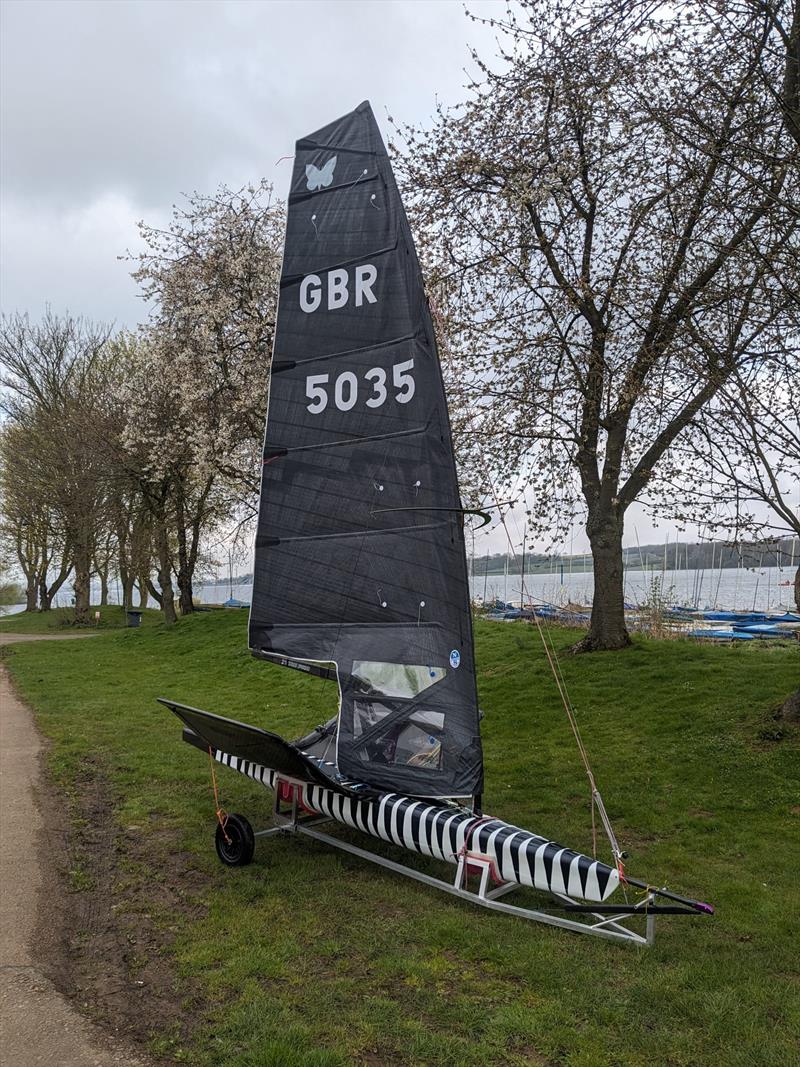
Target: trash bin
134,618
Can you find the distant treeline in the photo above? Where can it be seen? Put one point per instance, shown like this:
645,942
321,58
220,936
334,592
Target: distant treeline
678,557
670,556
238,579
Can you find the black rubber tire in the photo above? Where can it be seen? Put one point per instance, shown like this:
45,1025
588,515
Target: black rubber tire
236,843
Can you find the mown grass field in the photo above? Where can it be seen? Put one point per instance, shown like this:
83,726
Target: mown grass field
309,958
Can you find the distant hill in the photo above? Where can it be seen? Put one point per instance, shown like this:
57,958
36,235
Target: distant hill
238,579
670,556
678,557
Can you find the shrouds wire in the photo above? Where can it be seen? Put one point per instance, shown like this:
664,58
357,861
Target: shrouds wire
550,652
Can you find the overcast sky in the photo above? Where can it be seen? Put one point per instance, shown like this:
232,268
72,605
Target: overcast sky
110,110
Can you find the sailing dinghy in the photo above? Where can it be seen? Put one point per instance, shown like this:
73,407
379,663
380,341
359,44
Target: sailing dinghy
360,572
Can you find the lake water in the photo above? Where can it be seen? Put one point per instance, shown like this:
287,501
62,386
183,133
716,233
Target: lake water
733,589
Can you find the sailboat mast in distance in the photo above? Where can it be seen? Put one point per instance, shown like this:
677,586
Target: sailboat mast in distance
360,563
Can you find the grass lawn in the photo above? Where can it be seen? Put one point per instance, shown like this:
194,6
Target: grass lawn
310,958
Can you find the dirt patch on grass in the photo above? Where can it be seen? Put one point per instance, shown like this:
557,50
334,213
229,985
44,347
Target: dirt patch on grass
103,931
774,729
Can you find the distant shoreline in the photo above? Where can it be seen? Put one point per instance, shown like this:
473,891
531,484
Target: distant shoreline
670,557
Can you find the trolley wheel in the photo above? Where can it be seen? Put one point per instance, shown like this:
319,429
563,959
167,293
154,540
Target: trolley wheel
236,843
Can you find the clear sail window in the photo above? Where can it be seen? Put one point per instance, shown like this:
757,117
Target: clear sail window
395,679
418,744
414,741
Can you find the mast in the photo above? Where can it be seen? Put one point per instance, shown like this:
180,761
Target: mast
522,573
360,565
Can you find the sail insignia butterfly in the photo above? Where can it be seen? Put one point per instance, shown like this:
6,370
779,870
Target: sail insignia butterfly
320,177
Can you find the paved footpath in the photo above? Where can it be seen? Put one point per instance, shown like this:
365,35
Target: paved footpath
38,1026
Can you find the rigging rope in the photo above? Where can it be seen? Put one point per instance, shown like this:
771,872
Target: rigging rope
596,802
561,685
219,811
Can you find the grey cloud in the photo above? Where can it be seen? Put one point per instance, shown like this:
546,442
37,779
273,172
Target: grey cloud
111,110
150,98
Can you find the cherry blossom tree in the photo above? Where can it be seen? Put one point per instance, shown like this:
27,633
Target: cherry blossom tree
611,217
212,279
142,445
754,480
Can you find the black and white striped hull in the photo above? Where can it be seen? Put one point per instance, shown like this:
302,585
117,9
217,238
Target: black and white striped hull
441,832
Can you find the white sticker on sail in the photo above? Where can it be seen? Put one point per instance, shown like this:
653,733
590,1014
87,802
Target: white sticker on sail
338,289
347,393
320,177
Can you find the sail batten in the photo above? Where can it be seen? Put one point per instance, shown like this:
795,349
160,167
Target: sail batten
290,364
293,279
351,441
357,435
357,533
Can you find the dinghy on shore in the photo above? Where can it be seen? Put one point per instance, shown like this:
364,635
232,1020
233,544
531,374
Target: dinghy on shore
712,634
360,574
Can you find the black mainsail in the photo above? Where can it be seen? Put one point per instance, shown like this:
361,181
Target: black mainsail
360,565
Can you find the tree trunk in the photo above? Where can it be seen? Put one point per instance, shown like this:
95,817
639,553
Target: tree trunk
30,592
185,586
124,557
149,586
197,524
49,594
41,579
44,599
82,585
184,570
103,587
126,581
127,590
607,628
165,575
